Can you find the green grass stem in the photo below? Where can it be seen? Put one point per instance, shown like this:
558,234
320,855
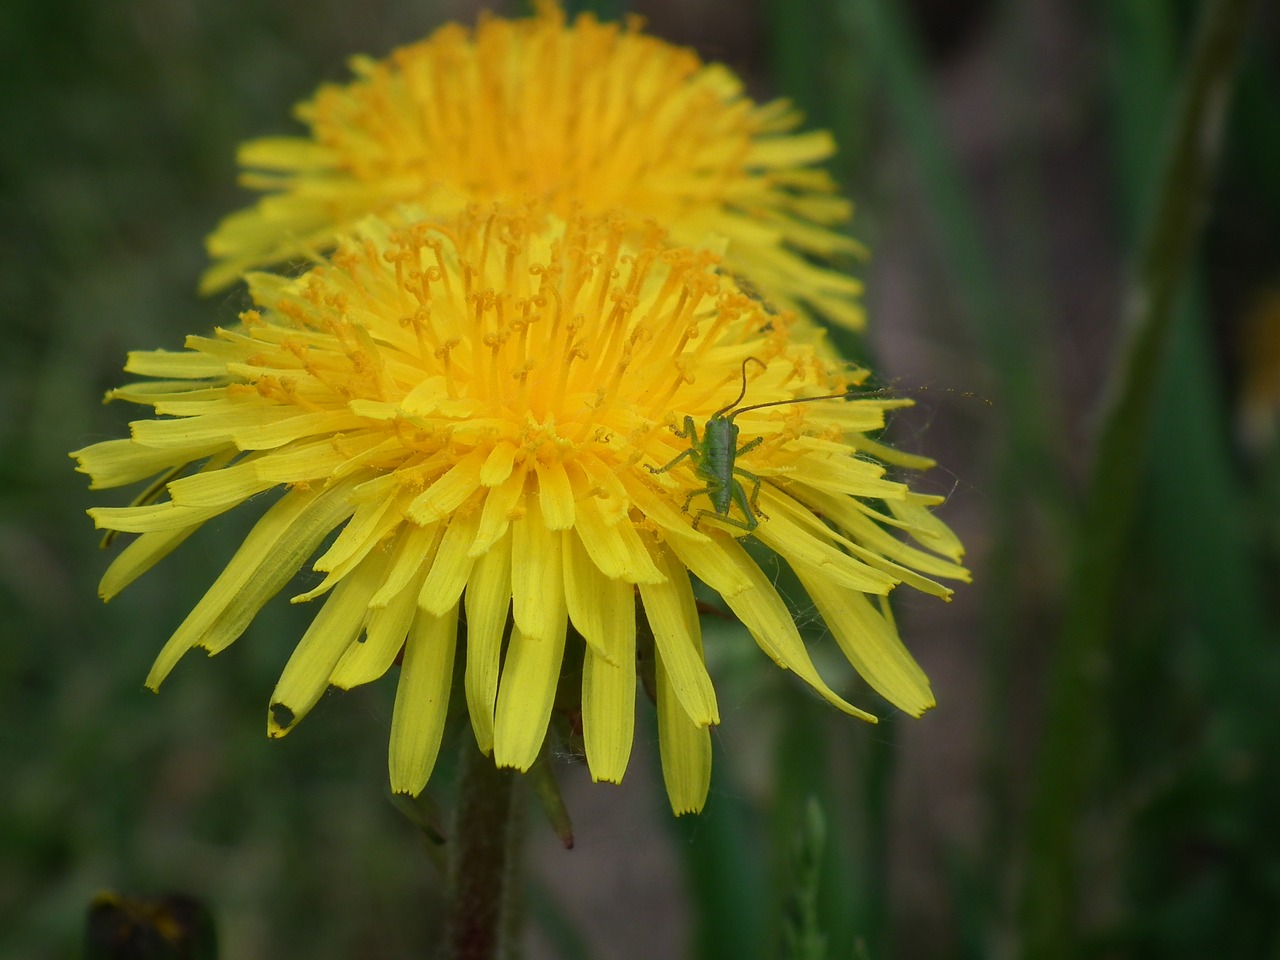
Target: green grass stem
1050,923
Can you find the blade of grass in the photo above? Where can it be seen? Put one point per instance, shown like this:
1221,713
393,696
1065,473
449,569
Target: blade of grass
1011,343
797,45
556,924
803,934
1100,553
812,765
724,867
1203,542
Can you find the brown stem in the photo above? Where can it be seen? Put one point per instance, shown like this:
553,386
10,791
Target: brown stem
481,860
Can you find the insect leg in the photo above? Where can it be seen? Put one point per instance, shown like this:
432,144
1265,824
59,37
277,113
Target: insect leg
745,503
736,491
690,431
748,525
755,485
691,452
689,499
754,496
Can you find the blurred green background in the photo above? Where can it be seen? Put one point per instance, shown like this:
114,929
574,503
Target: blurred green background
1005,158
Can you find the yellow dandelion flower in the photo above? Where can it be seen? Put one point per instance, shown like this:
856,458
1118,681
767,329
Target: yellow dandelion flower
591,114
491,414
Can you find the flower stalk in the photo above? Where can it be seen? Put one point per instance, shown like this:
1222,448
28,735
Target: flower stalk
483,863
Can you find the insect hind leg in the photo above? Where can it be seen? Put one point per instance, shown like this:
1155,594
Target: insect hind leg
748,525
739,497
749,504
690,498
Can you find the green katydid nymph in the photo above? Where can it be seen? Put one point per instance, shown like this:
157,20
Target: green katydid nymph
715,454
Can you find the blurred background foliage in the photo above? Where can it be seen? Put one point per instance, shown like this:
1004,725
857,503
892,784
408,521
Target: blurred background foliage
1005,157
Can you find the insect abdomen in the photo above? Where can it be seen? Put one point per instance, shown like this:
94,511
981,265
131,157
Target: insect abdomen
720,439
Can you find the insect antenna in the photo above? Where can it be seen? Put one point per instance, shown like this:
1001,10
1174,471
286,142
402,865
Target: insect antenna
720,414
846,395
741,393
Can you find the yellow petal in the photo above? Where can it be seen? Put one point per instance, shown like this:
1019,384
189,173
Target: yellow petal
686,750
413,554
284,153
609,683
385,631
268,435
601,482
139,557
669,607
795,533
657,507
615,548
270,555
795,150
449,492
318,459
888,454
555,495
488,599
248,426
589,597
849,476
537,578
448,575
153,517
422,700
431,394
707,559
162,393
502,504
113,463
925,527
174,364
872,645
879,547
525,697
497,465
334,629
223,488
371,524
761,611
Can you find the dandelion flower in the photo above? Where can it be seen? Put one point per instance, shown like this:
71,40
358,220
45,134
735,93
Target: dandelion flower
487,412
597,115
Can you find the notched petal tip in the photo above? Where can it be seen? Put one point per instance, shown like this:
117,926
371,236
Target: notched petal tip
687,809
508,764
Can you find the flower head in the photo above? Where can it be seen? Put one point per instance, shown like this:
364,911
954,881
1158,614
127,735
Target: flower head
589,114
493,413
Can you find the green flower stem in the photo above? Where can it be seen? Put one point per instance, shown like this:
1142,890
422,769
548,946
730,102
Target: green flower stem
1072,734
484,853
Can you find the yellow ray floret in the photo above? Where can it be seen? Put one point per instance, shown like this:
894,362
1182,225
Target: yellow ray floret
584,114
485,424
